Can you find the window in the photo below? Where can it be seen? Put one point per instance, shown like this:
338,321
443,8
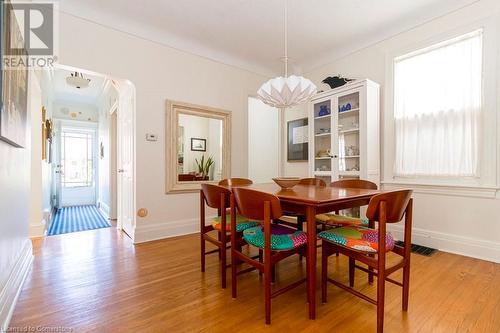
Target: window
77,163
437,109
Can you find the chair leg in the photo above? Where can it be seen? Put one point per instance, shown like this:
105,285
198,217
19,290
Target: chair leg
324,271
223,254
202,252
370,275
380,300
261,257
219,238
406,285
234,275
351,272
307,279
267,288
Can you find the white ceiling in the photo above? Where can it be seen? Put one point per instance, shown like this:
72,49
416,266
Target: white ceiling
248,33
63,92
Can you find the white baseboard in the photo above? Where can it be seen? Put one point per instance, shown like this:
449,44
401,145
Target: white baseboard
154,231
38,230
104,209
470,247
10,292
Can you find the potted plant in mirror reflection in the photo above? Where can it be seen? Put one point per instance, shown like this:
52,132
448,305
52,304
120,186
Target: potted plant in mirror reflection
204,166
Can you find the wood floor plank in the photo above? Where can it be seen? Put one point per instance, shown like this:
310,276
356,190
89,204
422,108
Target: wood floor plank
98,281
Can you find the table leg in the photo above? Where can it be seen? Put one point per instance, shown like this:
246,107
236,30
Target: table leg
311,260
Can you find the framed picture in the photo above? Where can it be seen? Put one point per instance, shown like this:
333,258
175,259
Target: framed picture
198,144
298,140
13,82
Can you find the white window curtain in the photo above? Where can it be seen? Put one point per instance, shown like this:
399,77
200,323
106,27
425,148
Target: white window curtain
437,106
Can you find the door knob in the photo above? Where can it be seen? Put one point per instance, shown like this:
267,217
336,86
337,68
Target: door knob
121,170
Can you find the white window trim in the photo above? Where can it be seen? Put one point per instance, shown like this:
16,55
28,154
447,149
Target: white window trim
490,149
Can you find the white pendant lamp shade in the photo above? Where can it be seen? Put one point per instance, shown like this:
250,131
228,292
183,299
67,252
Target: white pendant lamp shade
284,92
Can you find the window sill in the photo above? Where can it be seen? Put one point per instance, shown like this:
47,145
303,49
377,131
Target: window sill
476,191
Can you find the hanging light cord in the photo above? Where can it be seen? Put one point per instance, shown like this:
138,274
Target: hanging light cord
286,39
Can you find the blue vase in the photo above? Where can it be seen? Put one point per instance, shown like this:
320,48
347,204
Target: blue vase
323,111
348,106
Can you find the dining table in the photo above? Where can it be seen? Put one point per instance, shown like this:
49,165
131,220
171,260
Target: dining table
309,201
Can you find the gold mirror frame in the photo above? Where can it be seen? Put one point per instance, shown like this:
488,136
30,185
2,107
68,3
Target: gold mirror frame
171,136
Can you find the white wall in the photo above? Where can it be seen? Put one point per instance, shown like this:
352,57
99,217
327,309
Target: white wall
451,219
37,223
263,141
15,247
41,171
161,73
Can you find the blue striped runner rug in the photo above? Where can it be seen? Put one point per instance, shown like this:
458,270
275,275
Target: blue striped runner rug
77,218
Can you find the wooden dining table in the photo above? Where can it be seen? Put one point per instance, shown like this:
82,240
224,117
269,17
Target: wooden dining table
311,200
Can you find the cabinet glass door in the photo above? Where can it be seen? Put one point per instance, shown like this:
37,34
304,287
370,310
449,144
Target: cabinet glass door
348,135
322,129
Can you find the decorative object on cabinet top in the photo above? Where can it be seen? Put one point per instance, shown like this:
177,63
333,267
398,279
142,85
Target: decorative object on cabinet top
336,81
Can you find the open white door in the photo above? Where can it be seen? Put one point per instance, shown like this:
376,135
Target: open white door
125,159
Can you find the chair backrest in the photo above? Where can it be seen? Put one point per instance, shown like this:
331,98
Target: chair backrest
354,183
312,182
235,182
250,203
395,205
212,194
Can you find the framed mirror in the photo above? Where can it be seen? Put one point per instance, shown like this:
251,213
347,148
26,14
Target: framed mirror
197,146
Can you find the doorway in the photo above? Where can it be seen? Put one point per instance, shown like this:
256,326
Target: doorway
92,167
263,118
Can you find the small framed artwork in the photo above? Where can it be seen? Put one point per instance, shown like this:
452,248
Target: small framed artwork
198,144
298,140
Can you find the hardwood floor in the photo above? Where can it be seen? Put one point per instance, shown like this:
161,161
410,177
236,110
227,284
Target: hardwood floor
98,281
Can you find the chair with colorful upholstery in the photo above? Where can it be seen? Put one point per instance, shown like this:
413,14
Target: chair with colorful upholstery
277,241
370,246
218,197
337,220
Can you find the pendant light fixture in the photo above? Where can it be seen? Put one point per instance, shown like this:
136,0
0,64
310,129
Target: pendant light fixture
77,80
287,91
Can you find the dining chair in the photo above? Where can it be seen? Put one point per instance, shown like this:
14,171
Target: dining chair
218,197
277,242
337,220
235,182
370,246
301,219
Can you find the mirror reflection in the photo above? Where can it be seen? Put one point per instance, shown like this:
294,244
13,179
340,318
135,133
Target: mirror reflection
199,148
